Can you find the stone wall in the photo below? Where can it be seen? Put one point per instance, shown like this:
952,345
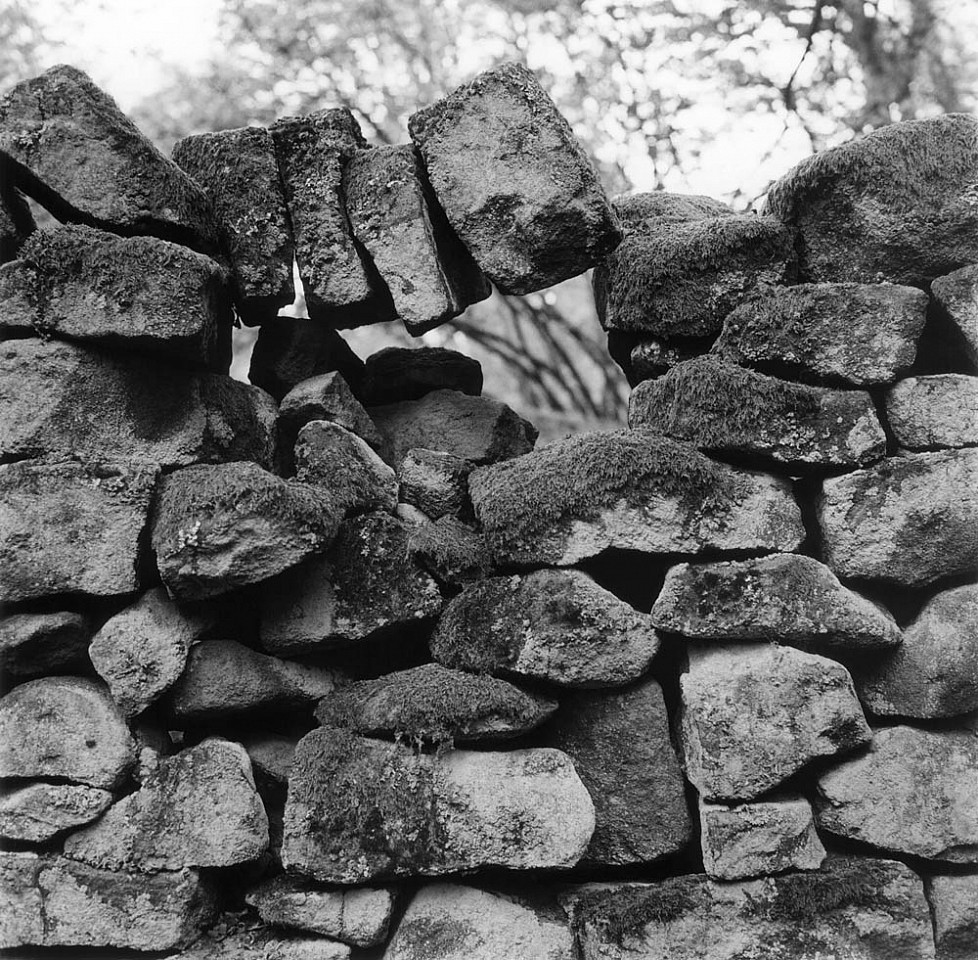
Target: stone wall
338,665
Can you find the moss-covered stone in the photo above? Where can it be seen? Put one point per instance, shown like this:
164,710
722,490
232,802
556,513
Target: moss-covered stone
453,552
16,221
647,211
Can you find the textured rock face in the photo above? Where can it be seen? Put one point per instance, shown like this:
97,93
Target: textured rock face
755,714
64,728
630,489
391,812
435,482
799,330
514,182
245,942
40,811
38,644
451,551
909,520
786,598
928,413
957,293
553,625
325,397
895,205
914,792
725,409
71,528
954,904
395,374
450,922
645,211
653,356
16,222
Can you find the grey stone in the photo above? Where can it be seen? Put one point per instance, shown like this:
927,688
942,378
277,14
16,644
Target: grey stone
40,811
930,413
325,397
39,644
16,222
453,552
954,905
271,755
395,374
435,482
242,941
640,212
957,294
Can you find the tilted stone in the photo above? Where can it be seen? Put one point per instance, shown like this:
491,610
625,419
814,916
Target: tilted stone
954,905
908,520
199,808
553,625
928,413
72,528
755,714
914,792
645,211
957,295
243,941
40,811
725,409
325,397
786,598
451,551
271,755
394,214
514,182
64,728
39,644
435,482
16,221
395,374
896,205
629,489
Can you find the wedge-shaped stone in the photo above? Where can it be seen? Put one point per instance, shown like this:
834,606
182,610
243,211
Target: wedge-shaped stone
788,598
73,150
453,552
40,811
395,374
954,905
325,397
271,755
629,489
16,222
40,644
909,520
553,625
914,792
435,482
728,410
957,294
240,940
360,810
514,182
646,211
755,714
930,413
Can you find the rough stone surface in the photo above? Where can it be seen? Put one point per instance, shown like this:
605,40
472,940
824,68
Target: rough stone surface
236,940
646,211
64,728
16,222
848,333
553,625
220,527
957,294
394,214
72,528
760,838
954,905
389,811
514,182
39,644
199,808
325,397
435,482
909,520
754,714
451,551
271,755
725,409
653,356
575,498
395,374
787,598
896,205
39,811
930,413
914,792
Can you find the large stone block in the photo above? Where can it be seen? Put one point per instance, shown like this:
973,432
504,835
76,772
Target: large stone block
931,413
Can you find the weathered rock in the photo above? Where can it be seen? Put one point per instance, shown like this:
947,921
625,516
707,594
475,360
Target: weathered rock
630,489
451,551
553,625
220,527
72,528
896,205
243,941
450,922
271,755
860,909
760,838
360,810
41,644
395,374
754,714
788,599
851,333
954,905
433,704
227,679
325,397
725,409
913,792
640,212
928,413
331,457
957,294
394,214
435,482
514,182
16,221
366,586
199,808
64,728
909,520
653,356
619,742
39,811
360,916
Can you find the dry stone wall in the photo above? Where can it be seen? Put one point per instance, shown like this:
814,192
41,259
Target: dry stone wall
341,664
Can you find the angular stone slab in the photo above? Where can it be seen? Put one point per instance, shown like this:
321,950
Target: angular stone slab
395,374
394,214
451,551
16,222
553,625
325,397
40,811
755,714
894,206
271,755
632,490
914,792
217,528
931,413
40,644
240,940
909,520
787,598
435,482
78,155
360,810
851,333
954,905
71,528
64,728
199,808
728,410
514,182
957,294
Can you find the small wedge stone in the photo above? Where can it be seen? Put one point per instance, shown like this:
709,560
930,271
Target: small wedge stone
957,294
40,811
932,413
325,397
